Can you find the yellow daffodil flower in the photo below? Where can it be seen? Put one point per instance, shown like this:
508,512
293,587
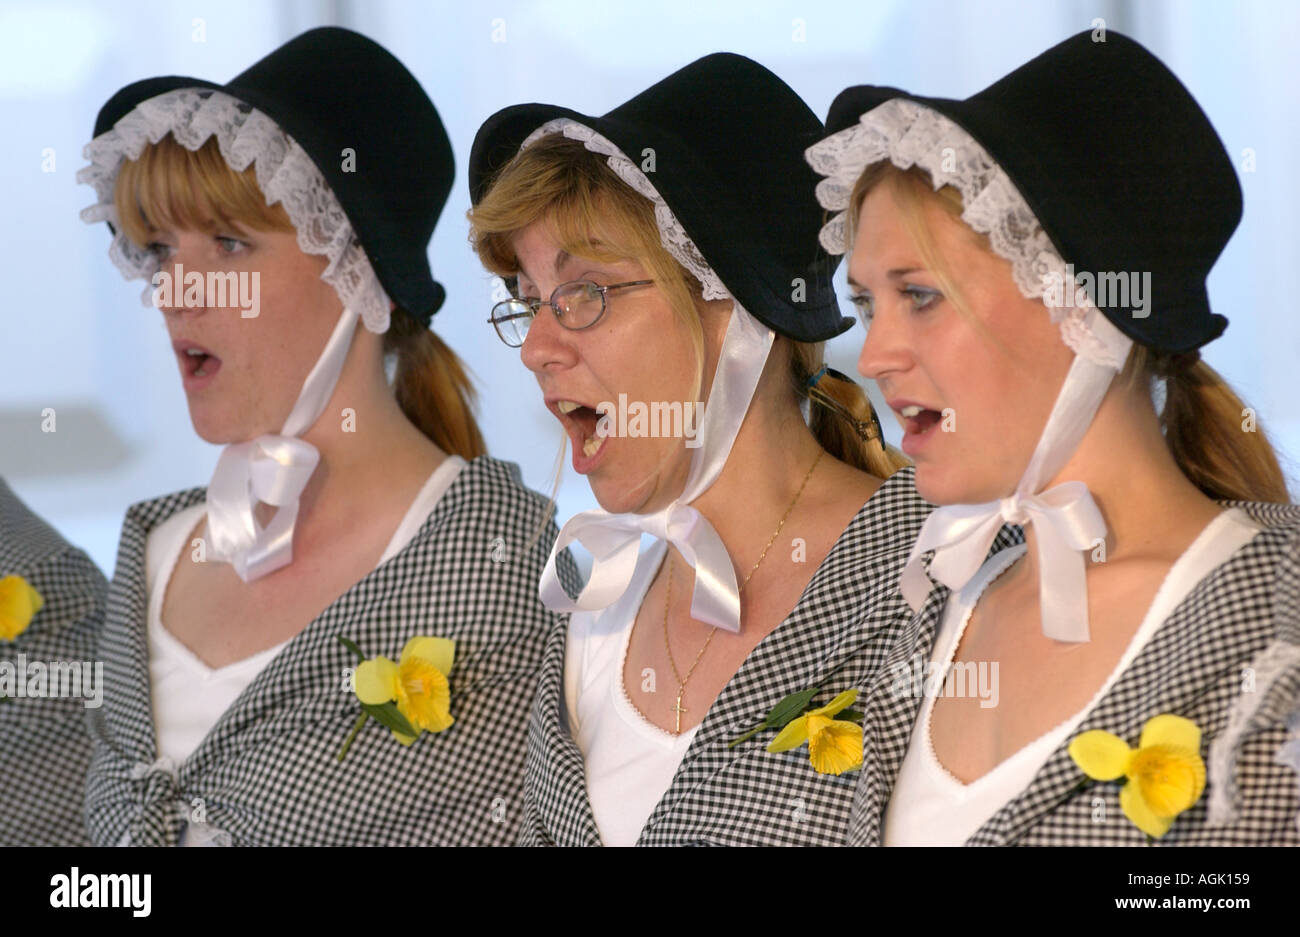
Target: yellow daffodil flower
19,602
1165,772
417,682
834,746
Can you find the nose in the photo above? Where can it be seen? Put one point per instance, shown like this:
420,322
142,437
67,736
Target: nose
548,345
172,295
884,350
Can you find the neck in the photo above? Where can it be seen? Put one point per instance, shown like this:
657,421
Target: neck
772,454
366,443
1150,507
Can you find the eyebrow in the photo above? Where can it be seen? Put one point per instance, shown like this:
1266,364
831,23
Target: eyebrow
894,274
562,258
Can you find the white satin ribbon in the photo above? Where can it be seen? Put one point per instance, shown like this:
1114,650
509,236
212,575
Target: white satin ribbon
614,539
273,468
1065,517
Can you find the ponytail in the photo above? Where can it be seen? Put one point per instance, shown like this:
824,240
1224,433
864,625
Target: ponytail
843,421
433,387
1211,434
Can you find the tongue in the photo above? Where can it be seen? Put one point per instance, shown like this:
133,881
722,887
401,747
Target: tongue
922,421
587,418
208,364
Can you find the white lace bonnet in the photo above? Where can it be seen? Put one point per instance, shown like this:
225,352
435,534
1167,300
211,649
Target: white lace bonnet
284,171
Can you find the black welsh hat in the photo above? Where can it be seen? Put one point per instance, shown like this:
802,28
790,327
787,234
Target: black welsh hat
1117,162
727,138
333,90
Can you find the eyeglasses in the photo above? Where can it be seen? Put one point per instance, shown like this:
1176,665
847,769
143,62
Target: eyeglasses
577,305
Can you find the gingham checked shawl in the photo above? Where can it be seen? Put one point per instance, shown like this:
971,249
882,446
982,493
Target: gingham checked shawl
1194,666
266,773
44,746
745,795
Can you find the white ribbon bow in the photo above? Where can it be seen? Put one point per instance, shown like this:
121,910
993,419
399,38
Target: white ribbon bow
273,469
1066,520
614,540
1065,517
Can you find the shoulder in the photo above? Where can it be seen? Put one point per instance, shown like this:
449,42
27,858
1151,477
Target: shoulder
490,518
1254,762
890,520
491,488
143,516
26,540
69,582
1270,562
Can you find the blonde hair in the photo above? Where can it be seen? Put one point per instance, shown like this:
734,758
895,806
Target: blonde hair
1201,417
169,186
593,213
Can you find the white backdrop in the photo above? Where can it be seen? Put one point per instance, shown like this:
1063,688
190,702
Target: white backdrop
75,338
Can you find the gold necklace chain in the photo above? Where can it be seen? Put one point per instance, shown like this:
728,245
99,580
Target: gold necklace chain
678,708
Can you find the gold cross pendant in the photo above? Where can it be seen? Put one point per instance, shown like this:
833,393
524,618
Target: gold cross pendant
679,709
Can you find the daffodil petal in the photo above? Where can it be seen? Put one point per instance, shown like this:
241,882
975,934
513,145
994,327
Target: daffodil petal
19,602
440,652
376,681
793,735
1170,779
404,739
836,747
423,694
840,703
1167,729
1143,817
1100,755
440,722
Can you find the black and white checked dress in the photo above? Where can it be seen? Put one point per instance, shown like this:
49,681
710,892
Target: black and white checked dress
746,795
44,745
266,773
1211,661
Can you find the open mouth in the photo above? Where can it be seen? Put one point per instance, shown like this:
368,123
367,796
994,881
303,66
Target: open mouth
196,362
918,420
581,422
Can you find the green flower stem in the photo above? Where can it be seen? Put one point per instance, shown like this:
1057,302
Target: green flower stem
747,736
356,727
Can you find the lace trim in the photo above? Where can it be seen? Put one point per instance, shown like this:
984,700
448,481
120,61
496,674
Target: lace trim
909,134
1273,694
285,173
671,233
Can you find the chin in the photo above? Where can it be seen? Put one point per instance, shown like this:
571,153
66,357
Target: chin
214,429
614,497
941,485
623,492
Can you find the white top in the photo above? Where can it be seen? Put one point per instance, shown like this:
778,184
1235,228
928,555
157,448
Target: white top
629,760
930,807
189,696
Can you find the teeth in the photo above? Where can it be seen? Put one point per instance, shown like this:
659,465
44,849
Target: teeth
567,406
909,412
201,373
194,352
590,446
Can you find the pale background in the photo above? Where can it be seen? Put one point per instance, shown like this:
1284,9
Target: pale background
75,338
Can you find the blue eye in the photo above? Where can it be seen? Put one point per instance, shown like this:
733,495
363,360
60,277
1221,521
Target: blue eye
225,243
921,297
864,304
158,250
